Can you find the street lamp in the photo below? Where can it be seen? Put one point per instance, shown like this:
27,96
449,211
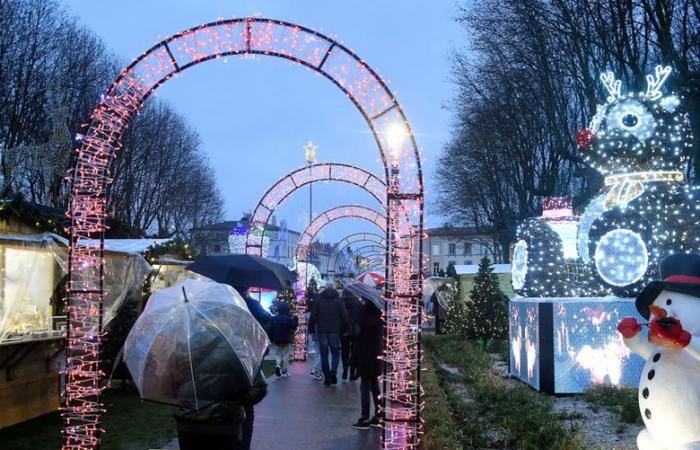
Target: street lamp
310,157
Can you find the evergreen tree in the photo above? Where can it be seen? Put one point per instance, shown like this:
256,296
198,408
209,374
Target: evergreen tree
486,316
456,321
312,289
287,296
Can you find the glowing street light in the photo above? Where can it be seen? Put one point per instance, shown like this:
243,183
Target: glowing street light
395,136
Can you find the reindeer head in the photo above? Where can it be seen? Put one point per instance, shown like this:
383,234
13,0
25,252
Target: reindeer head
637,132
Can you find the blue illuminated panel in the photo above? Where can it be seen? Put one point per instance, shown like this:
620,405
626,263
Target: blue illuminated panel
524,341
587,346
565,345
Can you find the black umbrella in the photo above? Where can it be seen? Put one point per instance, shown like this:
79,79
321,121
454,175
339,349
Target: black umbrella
369,293
244,271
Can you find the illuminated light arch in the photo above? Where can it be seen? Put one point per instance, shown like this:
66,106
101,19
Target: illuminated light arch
369,249
293,181
399,153
331,215
351,239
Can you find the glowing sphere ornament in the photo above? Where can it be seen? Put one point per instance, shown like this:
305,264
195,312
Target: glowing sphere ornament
621,257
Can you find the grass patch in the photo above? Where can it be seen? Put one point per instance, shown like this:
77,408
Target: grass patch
514,416
621,401
130,423
440,429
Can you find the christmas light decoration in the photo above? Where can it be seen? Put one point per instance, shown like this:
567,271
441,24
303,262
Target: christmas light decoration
251,38
339,212
305,242
640,142
348,241
298,178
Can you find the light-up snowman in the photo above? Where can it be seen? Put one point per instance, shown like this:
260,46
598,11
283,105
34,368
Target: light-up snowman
669,389
640,142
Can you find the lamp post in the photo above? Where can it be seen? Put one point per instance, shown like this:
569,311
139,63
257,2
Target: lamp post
310,157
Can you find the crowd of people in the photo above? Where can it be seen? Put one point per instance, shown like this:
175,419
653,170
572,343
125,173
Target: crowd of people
343,329
351,330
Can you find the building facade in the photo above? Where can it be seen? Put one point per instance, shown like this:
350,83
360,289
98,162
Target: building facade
279,242
457,246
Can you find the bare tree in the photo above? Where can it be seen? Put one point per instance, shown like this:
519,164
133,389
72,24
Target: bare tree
528,80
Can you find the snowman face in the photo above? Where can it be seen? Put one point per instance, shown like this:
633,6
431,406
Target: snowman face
683,307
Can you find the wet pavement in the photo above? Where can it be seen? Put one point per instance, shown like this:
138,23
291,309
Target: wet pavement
300,413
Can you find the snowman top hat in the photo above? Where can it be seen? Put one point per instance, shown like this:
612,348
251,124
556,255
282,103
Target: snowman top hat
679,273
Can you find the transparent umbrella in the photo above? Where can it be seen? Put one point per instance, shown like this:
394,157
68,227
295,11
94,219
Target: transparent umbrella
194,344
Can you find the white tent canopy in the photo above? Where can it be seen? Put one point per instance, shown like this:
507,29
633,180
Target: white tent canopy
33,265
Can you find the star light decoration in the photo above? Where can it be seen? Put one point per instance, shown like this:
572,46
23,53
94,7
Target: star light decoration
310,152
251,37
640,142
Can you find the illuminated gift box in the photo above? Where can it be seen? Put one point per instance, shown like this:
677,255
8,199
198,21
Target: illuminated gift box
565,345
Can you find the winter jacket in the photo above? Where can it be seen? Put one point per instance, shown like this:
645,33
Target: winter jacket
328,314
353,306
370,341
283,325
224,417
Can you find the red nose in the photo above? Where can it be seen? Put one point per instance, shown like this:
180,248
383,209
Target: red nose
584,138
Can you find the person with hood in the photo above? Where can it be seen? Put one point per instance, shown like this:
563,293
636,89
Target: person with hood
370,345
219,426
329,318
347,340
282,328
263,317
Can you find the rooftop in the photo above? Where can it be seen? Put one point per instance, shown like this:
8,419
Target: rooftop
455,231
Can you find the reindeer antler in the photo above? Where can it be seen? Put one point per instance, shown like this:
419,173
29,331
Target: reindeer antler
613,86
654,82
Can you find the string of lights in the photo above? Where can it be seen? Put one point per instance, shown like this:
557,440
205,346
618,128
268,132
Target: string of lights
298,178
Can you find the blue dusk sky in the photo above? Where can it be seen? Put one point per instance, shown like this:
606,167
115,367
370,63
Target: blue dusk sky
254,116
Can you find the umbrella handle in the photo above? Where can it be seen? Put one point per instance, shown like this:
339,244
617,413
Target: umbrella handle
184,293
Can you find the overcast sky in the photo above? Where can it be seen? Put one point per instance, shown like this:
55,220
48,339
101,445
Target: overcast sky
254,116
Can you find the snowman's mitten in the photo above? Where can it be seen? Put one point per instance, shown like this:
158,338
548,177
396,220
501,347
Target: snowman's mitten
629,327
668,331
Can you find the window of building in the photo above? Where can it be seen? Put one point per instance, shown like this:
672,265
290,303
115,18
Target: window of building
467,248
436,249
436,268
451,249
468,262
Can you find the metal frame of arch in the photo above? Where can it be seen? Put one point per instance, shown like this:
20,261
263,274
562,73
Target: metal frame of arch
291,182
360,251
354,238
253,37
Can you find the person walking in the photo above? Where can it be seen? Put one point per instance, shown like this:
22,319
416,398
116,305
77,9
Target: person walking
316,372
282,328
263,317
348,339
329,318
219,426
370,346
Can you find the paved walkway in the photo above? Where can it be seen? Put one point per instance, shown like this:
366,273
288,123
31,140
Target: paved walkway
300,413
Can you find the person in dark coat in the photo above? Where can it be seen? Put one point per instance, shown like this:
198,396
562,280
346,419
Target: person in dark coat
329,318
263,317
219,426
348,338
282,328
256,309
440,313
370,346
